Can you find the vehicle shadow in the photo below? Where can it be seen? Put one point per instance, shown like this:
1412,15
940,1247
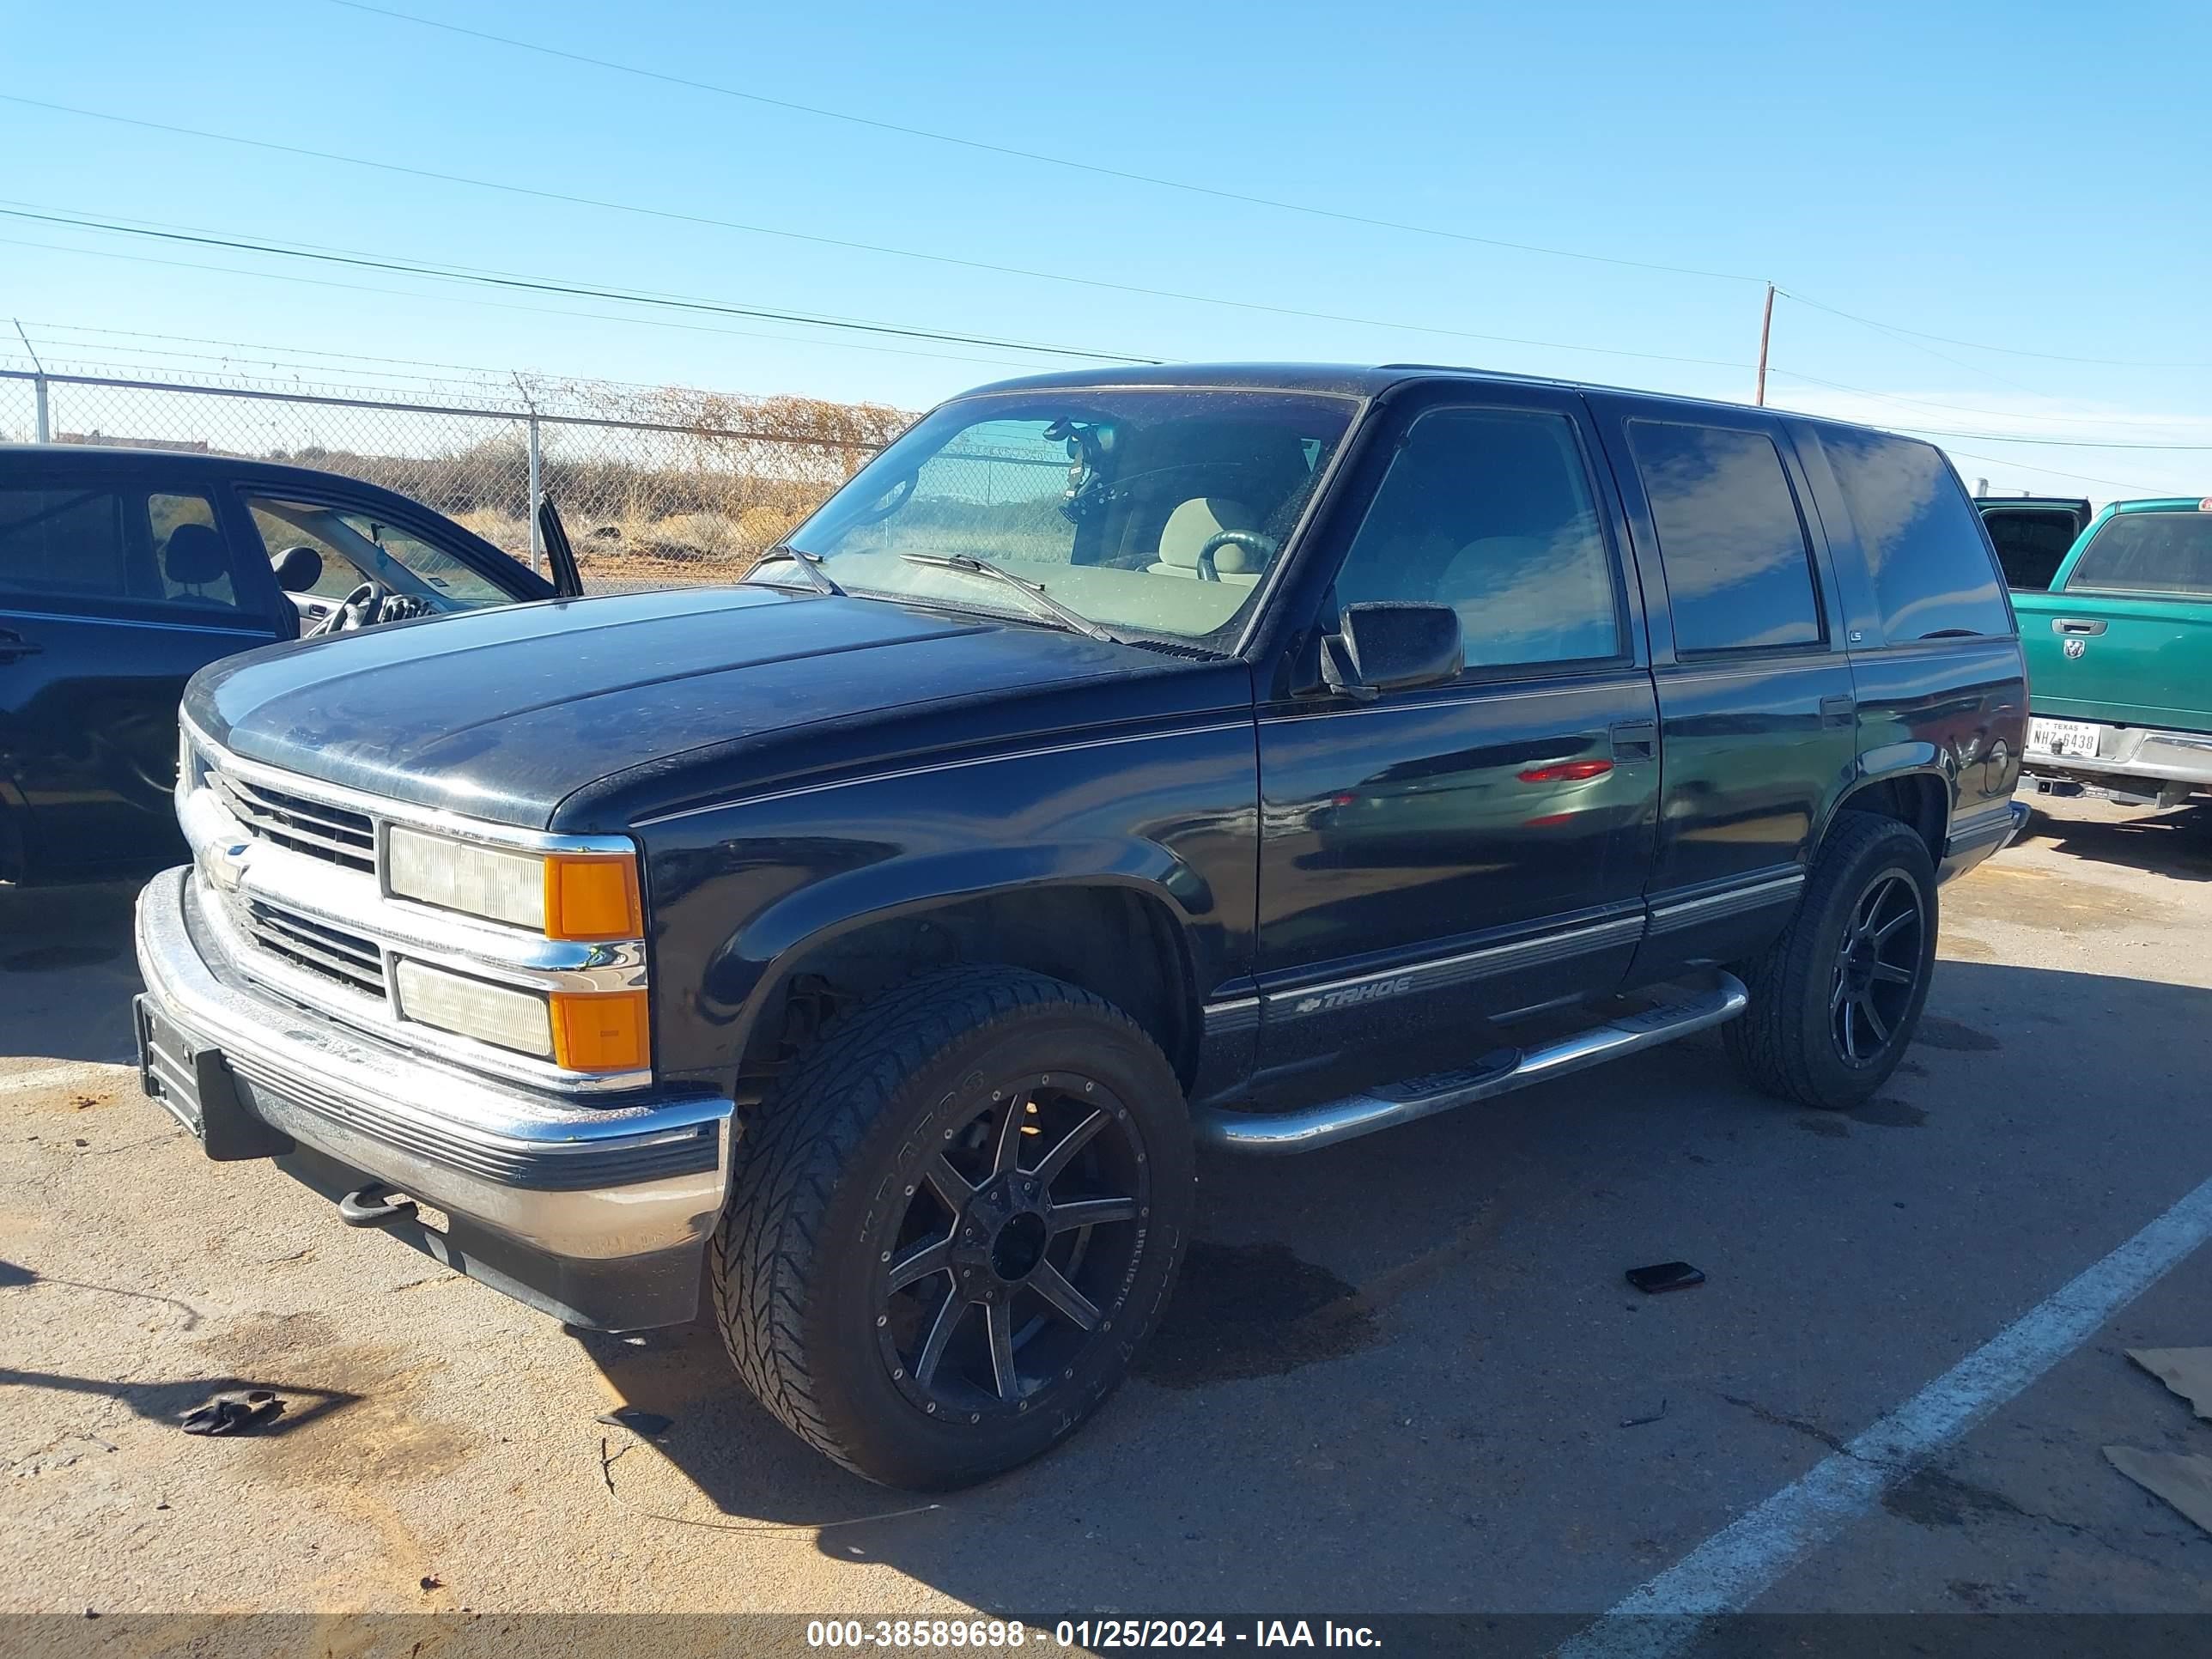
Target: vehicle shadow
2176,844
1405,1375
67,971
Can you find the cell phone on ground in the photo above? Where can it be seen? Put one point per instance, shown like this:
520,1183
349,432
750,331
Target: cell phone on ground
1666,1276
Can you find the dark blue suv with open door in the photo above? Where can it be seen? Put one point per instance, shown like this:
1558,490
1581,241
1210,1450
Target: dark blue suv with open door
122,571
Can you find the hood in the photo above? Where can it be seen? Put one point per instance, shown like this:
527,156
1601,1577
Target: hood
502,713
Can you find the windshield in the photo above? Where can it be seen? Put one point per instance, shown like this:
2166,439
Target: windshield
1149,512
2149,553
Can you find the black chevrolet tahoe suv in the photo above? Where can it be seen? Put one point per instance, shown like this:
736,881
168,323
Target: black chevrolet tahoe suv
1122,764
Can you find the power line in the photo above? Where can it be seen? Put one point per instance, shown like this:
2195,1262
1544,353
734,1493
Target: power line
1971,345
2052,471
1895,334
498,305
2055,443
2002,414
276,357
679,217
1093,167
546,285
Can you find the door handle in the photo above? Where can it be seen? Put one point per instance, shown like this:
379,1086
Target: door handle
13,645
2076,625
1635,740
1834,711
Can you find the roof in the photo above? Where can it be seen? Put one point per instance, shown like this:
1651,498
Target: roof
176,462
1354,380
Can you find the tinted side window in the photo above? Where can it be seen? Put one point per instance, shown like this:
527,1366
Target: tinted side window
1491,512
190,556
62,543
2149,553
1921,536
1739,574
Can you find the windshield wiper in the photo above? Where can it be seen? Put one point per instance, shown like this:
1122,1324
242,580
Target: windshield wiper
809,565
1033,591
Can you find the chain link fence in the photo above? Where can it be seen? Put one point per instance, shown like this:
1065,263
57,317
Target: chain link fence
656,485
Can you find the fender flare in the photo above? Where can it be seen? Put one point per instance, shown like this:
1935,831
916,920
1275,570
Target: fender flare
760,955
1889,763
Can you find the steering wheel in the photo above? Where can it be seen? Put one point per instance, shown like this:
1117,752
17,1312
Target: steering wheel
360,608
1250,540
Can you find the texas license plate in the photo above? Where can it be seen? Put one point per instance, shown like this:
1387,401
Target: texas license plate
2063,737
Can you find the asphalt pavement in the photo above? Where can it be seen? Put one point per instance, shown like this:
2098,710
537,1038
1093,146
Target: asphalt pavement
1402,1376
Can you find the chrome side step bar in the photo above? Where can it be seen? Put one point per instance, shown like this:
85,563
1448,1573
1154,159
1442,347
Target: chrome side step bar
1682,1011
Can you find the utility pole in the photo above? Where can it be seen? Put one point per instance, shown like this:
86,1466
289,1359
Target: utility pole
534,485
43,426
1766,332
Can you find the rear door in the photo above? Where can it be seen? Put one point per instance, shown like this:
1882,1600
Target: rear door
1439,857
1756,705
116,584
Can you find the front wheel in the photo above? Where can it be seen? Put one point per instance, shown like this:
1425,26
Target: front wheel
954,1225
1835,1000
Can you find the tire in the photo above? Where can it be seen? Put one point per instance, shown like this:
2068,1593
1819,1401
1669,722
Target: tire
1823,1031
883,1153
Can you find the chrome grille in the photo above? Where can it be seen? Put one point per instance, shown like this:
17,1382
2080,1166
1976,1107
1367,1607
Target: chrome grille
336,833
317,945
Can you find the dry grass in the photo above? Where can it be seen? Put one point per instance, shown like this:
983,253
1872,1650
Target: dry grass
697,504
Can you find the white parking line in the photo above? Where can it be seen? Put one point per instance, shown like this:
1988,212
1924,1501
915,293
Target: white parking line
1730,1569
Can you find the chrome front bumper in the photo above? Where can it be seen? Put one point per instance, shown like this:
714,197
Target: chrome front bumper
596,1213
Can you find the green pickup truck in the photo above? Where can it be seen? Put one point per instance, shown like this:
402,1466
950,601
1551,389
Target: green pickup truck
2119,656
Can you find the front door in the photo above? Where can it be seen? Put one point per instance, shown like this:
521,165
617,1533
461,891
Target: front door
1440,857
114,588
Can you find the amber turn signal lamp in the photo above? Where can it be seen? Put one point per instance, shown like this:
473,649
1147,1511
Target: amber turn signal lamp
601,1031
592,898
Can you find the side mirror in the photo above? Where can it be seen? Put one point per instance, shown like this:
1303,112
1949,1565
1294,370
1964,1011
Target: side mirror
298,568
1392,647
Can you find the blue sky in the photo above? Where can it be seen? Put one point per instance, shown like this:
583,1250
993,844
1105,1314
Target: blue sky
2033,179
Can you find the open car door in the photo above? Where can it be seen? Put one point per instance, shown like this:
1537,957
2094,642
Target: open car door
560,556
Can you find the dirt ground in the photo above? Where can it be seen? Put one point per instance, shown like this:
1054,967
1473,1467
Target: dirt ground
1402,1376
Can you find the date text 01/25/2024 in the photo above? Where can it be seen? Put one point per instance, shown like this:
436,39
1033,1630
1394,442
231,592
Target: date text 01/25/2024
1094,1634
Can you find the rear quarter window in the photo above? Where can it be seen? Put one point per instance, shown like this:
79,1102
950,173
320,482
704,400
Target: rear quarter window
1921,538
2163,553
65,544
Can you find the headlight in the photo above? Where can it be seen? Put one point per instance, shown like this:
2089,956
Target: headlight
474,1007
560,895
597,1031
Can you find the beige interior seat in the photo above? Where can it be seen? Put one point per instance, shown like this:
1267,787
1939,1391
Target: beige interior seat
1190,525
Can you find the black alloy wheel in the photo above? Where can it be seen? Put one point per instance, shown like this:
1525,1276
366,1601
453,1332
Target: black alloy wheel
1837,996
1014,1243
1877,975
954,1222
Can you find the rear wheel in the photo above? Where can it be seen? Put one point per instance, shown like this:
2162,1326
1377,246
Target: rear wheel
1835,1000
955,1224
